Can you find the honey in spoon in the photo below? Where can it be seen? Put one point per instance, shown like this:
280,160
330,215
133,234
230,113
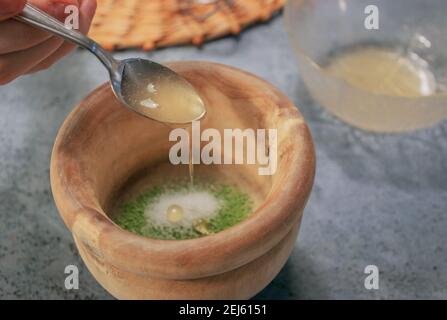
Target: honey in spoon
167,98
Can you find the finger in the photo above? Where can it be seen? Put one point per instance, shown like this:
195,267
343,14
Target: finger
86,11
10,8
15,64
17,36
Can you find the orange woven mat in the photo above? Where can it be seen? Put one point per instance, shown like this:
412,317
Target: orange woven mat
149,24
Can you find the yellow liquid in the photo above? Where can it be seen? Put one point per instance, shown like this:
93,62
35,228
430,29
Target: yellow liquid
384,71
170,100
174,213
191,165
167,100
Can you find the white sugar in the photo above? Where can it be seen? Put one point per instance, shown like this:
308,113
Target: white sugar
195,204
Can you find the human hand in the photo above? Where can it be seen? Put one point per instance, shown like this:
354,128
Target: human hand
25,49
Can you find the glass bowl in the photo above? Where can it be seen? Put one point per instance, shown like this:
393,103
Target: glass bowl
414,32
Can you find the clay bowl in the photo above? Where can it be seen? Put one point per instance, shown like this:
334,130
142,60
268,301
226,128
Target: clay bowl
104,150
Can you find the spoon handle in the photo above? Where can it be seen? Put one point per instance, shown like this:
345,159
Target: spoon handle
38,18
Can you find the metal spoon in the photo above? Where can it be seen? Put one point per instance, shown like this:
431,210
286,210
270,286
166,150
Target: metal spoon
130,78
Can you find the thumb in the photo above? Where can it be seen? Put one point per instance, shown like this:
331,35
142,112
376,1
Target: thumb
10,8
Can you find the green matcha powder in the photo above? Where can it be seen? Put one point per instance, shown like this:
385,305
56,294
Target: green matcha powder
234,206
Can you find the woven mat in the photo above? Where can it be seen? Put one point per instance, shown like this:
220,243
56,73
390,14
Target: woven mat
149,24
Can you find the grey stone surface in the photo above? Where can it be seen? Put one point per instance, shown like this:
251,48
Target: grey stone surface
378,199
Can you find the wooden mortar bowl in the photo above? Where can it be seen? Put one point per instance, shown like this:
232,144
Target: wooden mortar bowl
102,147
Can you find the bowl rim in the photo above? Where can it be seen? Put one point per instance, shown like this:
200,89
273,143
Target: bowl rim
200,257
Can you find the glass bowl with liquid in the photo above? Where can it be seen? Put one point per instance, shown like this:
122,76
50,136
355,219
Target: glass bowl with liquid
379,67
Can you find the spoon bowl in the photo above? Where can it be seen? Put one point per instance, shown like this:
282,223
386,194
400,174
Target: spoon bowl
151,90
